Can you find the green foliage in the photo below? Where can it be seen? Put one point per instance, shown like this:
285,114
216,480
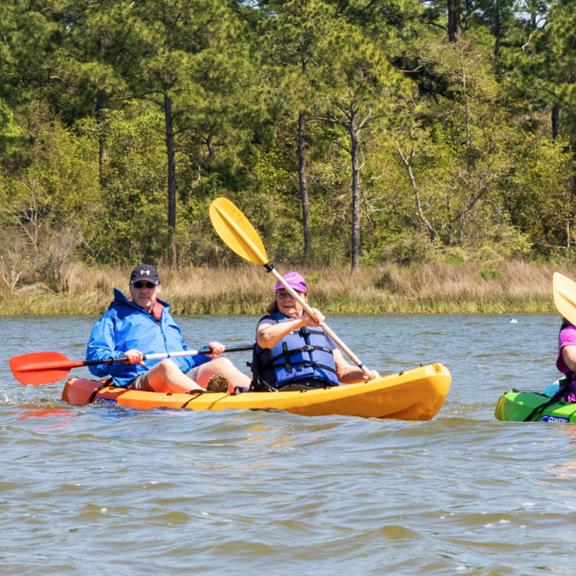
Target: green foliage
455,152
455,255
490,273
10,132
407,249
131,222
50,206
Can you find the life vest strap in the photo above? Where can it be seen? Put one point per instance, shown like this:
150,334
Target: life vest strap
286,355
307,348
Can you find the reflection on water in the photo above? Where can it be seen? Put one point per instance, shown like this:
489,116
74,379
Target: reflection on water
100,490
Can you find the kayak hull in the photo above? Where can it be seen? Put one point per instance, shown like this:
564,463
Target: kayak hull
416,394
524,406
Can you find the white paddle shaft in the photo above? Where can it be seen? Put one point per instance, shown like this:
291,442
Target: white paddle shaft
175,354
206,350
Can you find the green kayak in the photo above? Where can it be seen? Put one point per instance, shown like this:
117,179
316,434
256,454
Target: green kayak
523,406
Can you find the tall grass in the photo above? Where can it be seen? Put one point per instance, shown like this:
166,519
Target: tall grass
514,287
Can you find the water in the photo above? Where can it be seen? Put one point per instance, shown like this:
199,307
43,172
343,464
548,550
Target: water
103,491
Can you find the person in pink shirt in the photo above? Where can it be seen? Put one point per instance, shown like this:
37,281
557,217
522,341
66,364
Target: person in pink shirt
566,361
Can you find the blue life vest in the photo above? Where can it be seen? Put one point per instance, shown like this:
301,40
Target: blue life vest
304,355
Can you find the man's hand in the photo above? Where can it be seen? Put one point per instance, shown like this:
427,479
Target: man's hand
216,348
134,356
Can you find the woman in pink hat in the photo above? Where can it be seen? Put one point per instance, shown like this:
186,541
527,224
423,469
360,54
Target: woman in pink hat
293,352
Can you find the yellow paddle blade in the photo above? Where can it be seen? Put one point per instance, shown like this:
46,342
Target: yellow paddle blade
237,232
564,291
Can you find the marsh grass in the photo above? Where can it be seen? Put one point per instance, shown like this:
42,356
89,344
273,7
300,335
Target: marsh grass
513,287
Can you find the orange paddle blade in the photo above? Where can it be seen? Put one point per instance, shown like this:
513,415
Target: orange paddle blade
41,367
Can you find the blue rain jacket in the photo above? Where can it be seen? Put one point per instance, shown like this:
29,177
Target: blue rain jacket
125,326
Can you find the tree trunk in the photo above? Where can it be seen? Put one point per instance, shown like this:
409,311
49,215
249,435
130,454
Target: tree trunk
498,33
453,20
171,161
101,101
407,160
356,192
101,105
307,253
555,119
574,177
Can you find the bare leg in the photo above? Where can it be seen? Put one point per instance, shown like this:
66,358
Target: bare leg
224,367
166,376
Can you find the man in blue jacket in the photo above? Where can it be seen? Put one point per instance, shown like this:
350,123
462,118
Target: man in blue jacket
134,328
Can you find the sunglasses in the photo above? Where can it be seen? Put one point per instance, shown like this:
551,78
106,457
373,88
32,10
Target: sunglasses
144,285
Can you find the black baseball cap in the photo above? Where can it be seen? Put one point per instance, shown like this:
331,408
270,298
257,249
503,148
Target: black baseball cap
145,272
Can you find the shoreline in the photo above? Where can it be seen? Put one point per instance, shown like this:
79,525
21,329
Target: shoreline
507,288
71,308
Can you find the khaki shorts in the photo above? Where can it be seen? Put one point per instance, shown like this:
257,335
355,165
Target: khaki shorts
140,383
194,373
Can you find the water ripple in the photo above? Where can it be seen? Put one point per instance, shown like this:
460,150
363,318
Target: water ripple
101,491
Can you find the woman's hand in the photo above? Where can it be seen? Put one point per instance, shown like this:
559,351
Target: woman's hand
314,319
371,375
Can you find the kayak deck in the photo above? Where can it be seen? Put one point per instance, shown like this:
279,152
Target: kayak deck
525,406
416,394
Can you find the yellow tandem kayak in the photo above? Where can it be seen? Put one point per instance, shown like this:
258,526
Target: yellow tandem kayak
415,394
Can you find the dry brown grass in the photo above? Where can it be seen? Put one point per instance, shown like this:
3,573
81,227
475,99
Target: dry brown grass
440,288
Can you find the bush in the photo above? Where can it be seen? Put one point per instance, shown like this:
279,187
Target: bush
490,274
